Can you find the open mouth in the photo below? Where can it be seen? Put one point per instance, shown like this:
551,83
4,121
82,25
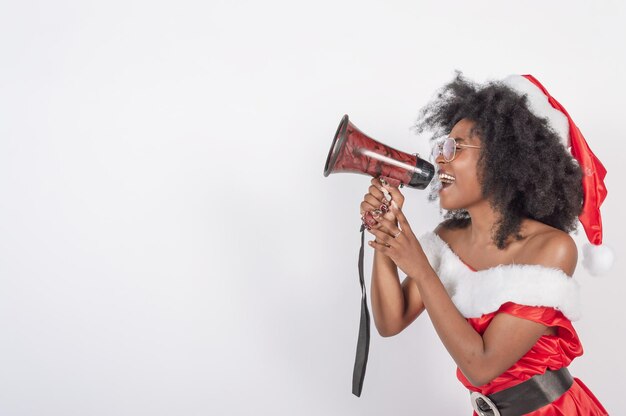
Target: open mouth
446,179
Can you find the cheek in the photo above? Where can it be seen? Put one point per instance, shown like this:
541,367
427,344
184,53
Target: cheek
469,175
471,184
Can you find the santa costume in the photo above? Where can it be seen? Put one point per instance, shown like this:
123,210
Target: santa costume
537,293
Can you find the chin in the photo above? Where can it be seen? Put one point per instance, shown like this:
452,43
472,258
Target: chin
446,203
449,207
453,205
452,201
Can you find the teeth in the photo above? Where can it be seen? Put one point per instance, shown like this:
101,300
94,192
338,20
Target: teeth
444,177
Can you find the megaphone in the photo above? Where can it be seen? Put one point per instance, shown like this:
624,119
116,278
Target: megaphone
354,151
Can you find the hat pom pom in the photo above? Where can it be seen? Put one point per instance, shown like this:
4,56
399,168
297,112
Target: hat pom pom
597,259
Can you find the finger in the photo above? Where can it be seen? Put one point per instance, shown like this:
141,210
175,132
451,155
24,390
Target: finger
376,182
395,192
379,183
368,220
386,195
378,246
367,207
374,200
381,236
378,192
388,226
402,221
370,204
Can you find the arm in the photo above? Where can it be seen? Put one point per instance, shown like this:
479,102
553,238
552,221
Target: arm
394,305
480,358
507,339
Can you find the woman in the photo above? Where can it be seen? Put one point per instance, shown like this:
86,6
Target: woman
495,275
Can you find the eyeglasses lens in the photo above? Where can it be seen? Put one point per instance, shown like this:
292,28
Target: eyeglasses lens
449,148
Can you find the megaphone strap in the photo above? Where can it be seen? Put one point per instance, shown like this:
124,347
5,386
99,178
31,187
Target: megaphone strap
363,342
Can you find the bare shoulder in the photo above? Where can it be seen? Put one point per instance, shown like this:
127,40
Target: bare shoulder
550,247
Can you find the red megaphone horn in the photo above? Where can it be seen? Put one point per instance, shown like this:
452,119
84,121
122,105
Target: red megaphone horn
354,151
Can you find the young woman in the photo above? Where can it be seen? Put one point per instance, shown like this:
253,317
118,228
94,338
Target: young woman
495,275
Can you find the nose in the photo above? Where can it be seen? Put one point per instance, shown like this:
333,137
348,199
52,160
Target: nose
438,151
440,160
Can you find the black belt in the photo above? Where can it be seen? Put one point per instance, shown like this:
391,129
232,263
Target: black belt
525,397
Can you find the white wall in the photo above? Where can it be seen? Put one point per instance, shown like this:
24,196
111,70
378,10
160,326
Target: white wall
168,244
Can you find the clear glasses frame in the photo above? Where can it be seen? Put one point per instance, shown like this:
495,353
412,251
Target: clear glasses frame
447,148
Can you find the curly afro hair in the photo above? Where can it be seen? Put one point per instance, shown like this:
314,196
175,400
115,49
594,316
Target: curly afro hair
525,171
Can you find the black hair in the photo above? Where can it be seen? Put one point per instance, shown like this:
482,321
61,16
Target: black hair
524,170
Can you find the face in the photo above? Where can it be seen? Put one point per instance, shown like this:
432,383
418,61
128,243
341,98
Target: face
462,190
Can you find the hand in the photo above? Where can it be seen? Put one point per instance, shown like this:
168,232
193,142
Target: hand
399,243
377,201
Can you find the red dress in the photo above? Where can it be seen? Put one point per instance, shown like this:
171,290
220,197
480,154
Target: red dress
550,352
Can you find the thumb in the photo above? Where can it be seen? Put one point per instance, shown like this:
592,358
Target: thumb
397,211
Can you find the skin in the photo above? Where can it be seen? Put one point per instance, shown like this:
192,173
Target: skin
395,305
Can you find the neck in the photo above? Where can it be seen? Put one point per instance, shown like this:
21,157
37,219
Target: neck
484,217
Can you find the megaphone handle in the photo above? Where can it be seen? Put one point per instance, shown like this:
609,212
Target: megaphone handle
391,181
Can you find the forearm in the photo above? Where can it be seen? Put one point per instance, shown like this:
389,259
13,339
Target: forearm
464,344
388,301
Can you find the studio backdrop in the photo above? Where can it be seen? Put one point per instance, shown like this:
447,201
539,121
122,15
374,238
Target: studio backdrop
169,244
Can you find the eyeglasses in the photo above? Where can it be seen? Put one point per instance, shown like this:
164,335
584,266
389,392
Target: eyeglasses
447,148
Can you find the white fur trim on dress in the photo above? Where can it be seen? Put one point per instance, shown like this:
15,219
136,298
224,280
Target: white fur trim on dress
480,292
540,106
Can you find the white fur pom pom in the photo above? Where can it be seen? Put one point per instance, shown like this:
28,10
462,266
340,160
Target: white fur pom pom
597,259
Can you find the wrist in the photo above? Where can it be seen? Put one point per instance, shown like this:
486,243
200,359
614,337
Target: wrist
421,269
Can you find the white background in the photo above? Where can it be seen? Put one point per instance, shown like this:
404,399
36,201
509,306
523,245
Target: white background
168,243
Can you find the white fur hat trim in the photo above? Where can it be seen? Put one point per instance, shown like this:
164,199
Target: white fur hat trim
540,106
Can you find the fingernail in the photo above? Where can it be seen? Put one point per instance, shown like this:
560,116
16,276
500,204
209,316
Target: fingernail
386,194
384,208
366,222
377,213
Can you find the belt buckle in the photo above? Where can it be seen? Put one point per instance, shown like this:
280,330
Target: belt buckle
483,405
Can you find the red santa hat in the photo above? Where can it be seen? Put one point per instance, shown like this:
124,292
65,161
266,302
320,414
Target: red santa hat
597,258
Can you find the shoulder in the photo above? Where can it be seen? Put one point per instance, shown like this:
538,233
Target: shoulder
553,248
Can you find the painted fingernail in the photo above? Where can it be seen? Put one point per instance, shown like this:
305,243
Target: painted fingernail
384,208
377,213
386,194
368,221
